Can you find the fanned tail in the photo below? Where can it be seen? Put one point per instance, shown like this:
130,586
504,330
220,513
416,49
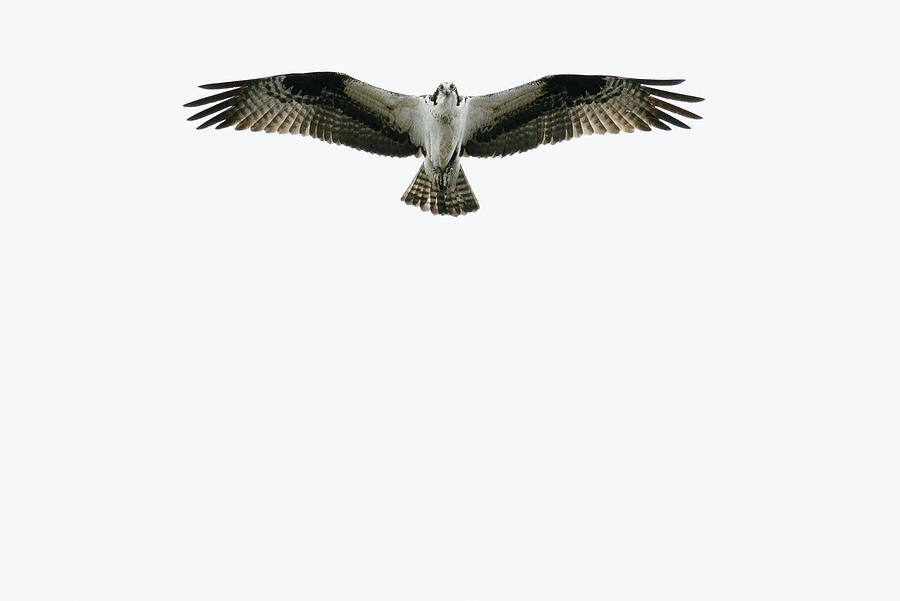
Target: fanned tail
426,195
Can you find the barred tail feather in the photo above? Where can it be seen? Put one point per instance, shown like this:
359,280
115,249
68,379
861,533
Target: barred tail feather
463,194
426,195
419,191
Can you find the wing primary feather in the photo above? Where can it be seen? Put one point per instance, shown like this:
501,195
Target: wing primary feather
655,122
658,82
228,84
213,98
672,95
672,120
216,119
674,109
640,121
213,109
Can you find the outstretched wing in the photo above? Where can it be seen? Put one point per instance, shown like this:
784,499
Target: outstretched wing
329,106
561,107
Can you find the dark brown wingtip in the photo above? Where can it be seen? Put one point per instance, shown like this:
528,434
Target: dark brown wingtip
658,82
213,120
670,119
213,98
672,95
662,104
227,84
212,110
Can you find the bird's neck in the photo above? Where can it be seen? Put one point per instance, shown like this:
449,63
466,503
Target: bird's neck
445,108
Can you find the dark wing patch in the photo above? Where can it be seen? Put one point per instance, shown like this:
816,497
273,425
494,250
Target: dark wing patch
562,107
312,104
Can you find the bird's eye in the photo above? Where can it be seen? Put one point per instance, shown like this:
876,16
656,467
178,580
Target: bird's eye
452,86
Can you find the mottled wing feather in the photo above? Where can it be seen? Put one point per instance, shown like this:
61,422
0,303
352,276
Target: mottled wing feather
329,106
562,107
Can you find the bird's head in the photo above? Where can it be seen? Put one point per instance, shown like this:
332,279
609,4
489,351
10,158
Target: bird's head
445,92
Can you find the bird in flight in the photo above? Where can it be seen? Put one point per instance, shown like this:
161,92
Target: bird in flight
443,126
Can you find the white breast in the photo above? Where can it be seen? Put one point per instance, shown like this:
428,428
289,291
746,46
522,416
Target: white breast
443,131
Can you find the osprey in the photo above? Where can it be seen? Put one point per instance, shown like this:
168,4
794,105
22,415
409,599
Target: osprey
443,126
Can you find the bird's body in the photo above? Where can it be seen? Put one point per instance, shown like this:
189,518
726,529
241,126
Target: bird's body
443,126
443,130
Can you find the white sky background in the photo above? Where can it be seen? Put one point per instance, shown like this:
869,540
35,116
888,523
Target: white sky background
653,366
